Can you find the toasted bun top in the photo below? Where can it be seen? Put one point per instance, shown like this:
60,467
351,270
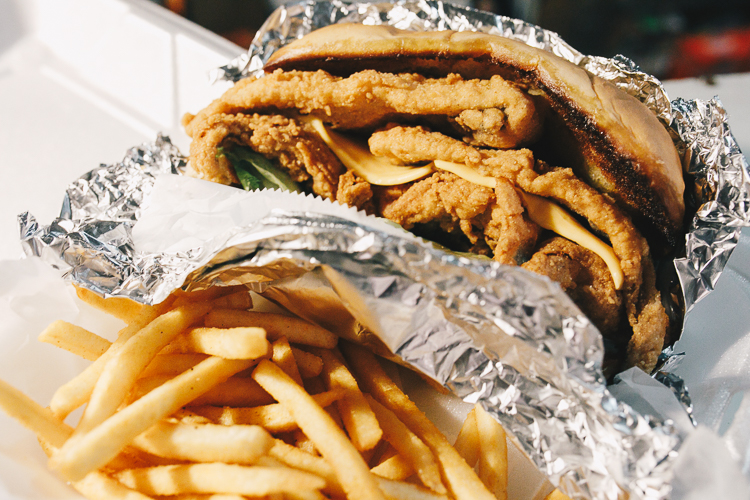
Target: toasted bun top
620,145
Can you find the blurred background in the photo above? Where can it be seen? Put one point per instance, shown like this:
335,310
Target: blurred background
667,38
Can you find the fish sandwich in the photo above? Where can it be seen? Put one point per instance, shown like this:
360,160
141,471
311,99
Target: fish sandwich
476,142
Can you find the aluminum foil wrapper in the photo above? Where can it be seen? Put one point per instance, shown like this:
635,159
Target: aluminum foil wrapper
492,334
91,240
721,192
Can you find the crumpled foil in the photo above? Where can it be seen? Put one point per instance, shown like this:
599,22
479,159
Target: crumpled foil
91,240
492,334
721,190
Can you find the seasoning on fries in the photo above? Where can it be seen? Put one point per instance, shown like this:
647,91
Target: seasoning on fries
199,397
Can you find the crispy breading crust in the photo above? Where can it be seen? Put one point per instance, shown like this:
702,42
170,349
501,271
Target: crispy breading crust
295,145
620,146
494,216
370,99
585,277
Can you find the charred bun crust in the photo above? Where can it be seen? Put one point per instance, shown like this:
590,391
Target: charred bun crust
612,140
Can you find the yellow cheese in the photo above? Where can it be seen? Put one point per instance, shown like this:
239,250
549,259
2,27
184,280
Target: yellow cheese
376,170
550,216
555,218
465,172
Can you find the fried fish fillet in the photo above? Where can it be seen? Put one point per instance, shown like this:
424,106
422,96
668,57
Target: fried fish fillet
293,144
492,219
491,112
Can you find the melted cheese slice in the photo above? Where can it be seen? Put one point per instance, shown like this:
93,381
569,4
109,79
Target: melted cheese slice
376,170
550,216
553,217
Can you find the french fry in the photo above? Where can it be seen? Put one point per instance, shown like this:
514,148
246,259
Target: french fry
203,496
304,443
273,417
238,300
218,478
316,385
171,364
128,457
382,451
236,392
298,459
77,391
493,459
75,339
296,330
309,365
396,467
556,495
399,490
409,446
459,477
237,444
303,495
78,457
99,486
122,370
284,359
353,474
131,457
33,416
166,393
359,420
229,343
367,455
467,442
119,307
211,294
186,416
319,466
52,434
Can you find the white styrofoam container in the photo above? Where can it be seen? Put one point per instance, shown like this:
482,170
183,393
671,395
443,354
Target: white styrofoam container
81,81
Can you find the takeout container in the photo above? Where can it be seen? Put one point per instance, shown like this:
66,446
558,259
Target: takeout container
19,304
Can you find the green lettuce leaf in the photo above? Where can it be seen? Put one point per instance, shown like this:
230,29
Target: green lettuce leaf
256,172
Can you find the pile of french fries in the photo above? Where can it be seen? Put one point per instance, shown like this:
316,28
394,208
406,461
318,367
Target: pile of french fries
200,397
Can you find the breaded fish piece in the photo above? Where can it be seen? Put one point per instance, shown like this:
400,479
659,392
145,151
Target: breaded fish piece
493,217
492,112
643,308
294,144
584,276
